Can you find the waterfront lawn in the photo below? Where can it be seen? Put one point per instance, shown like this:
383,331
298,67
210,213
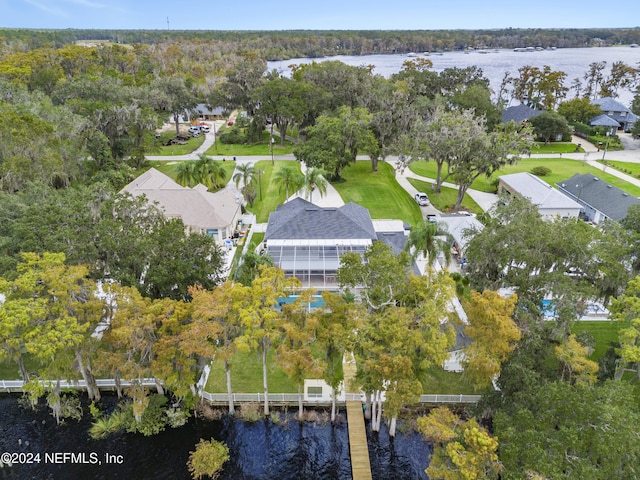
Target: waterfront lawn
604,332
439,381
188,147
561,169
378,191
246,375
446,199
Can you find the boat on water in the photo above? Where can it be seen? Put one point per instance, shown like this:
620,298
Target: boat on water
411,54
634,45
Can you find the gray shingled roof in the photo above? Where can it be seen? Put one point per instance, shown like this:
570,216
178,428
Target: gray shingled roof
608,104
603,120
302,220
519,113
599,194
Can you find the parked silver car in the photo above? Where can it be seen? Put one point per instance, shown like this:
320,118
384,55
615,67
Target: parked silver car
422,199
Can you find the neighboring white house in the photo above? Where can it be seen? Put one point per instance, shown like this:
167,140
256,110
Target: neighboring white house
550,202
214,213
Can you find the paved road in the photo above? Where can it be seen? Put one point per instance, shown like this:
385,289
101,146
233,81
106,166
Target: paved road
592,156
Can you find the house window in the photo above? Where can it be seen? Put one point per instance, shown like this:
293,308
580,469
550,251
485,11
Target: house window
623,114
212,232
314,392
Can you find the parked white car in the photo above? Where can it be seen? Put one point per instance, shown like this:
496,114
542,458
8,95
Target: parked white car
422,199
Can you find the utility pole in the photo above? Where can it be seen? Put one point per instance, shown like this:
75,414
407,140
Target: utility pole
168,23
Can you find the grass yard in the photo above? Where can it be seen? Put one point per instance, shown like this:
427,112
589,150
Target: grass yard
604,333
555,147
188,147
169,167
632,169
446,199
261,148
378,191
272,194
246,375
439,381
561,169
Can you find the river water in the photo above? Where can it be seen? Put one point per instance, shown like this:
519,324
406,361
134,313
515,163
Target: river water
259,450
572,61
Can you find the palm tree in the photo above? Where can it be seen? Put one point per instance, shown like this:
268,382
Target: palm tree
314,179
289,177
427,238
244,173
188,174
212,174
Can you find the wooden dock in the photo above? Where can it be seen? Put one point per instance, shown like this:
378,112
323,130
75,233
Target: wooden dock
359,451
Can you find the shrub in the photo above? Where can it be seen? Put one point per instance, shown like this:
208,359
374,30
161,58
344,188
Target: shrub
540,171
250,412
233,136
583,130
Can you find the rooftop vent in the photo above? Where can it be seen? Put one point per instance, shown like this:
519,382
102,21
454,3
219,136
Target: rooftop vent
596,178
609,186
625,194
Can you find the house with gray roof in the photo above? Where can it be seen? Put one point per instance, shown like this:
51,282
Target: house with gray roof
213,213
600,200
306,240
519,114
615,111
550,202
605,121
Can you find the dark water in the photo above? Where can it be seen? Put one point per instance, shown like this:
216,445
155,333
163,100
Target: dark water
260,450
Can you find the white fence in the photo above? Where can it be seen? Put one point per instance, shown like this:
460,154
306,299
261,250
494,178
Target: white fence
292,398
102,383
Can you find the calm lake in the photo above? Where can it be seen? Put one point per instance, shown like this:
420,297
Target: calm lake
573,61
258,450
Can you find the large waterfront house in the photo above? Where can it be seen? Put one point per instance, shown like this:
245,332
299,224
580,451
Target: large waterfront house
519,114
549,201
306,241
616,111
600,200
214,213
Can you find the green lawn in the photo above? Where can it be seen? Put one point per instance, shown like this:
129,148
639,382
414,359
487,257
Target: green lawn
189,147
555,147
246,375
561,169
261,148
625,167
272,194
439,381
446,199
604,333
378,191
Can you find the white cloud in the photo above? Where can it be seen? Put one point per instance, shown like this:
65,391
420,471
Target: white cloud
46,8
87,3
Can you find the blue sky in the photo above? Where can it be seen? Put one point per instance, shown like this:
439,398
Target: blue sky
312,14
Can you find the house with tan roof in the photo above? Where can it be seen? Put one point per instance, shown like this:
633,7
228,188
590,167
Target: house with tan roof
213,213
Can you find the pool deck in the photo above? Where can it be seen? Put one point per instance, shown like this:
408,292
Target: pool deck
359,450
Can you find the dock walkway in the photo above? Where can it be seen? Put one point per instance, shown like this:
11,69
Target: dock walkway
359,450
